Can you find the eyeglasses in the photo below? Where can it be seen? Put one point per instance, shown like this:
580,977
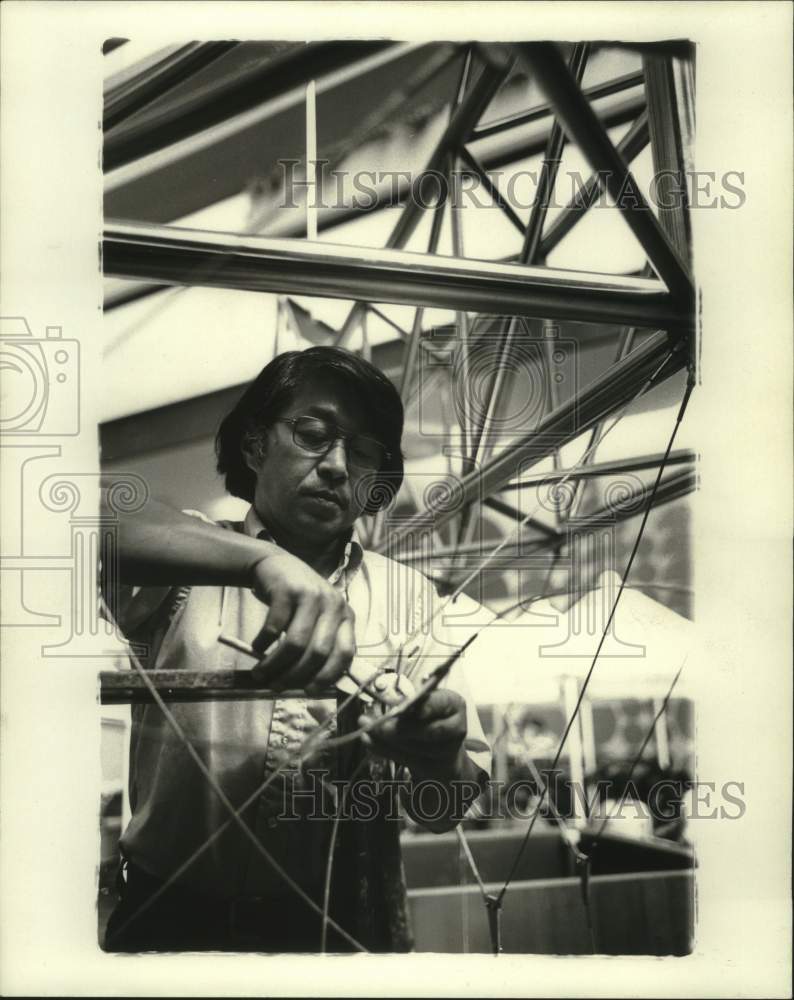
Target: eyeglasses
317,436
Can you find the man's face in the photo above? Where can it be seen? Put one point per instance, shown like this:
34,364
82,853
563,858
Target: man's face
303,497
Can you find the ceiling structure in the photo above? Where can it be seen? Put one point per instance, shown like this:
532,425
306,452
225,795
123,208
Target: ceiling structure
513,365
198,127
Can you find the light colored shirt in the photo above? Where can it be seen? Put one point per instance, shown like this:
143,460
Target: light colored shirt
174,810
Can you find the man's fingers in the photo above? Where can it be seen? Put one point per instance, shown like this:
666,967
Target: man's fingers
438,704
294,642
406,732
320,653
278,618
311,621
319,641
340,658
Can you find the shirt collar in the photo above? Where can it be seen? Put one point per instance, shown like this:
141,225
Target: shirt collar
348,564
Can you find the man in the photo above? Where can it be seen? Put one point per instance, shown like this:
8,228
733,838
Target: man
313,443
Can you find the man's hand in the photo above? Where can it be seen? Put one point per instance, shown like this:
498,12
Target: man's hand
159,546
428,739
318,642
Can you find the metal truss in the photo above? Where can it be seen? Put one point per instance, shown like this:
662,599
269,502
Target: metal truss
657,104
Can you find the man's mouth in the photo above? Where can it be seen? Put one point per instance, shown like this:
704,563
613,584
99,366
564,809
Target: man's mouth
327,496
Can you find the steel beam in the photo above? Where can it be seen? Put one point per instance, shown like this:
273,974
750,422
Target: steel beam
221,260
658,358
388,194
580,121
461,121
126,99
221,100
671,121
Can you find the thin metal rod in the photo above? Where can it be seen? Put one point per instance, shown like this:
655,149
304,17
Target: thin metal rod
591,471
604,633
244,828
615,86
437,59
624,346
465,116
583,126
547,346
388,320
493,191
311,160
537,218
412,347
462,329
629,148
366,347
457,131
470,859
513,512
670,489
306,749
638,756
614,388
528,255
329,864
551,165
479,549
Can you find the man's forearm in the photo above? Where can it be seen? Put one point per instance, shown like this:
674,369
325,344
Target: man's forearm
161,546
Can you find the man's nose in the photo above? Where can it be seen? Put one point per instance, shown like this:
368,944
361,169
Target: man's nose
334,461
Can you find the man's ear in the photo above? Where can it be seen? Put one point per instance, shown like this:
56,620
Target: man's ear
253,450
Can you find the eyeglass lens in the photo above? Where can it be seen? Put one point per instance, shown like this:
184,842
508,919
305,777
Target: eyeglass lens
317,435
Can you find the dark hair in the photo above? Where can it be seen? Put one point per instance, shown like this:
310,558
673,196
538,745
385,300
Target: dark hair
272,391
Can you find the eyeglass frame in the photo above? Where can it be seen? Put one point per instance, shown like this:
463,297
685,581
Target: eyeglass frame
340,436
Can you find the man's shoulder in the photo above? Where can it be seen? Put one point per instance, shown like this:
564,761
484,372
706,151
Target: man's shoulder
379,565
216,522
